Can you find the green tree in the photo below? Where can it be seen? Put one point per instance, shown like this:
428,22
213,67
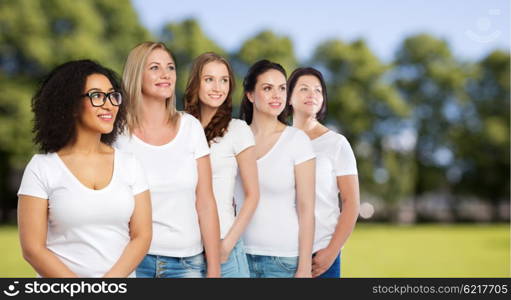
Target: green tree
186,40
37,35
481,136
267,45
370,113
432,81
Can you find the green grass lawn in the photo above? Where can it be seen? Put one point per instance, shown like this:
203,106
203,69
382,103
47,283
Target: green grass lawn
376,250
427,251
12,263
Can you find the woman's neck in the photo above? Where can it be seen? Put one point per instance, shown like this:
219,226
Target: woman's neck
154,113
307,123
85,143
263,124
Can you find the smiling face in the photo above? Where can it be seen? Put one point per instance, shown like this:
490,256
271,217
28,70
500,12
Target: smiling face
159,75
307,96
214,84
269,95
97,119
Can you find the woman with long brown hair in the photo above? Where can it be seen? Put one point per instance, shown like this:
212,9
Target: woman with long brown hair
208,97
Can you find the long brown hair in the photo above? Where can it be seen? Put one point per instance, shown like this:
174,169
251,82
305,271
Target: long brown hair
217,127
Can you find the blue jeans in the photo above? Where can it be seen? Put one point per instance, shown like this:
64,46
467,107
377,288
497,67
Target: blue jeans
236,265
156,266
262,266
335,269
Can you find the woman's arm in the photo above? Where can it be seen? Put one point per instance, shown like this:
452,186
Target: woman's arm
348,185
33,228
248,170
208,216
140,235
305,174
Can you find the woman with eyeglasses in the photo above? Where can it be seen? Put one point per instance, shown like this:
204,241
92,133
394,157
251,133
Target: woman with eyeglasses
336,171
84,207
172,147
279,237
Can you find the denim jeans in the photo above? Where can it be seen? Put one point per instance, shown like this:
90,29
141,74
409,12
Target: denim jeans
156,266
236,265
262,266
335,269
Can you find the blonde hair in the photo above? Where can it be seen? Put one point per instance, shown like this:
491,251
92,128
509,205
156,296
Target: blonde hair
132,84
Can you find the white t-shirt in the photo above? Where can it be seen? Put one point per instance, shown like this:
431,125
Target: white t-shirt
274,228
225,167
88,229
334,157
172,174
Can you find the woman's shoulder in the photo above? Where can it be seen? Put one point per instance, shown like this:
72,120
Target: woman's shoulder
123,155
186,117
332,136
42,159
122,140
188,121
236,125
297,134
44,164
339,139
127,161
334,143
239,135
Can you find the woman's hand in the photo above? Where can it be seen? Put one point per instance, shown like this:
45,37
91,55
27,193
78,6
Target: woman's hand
303,274
225,251
322,261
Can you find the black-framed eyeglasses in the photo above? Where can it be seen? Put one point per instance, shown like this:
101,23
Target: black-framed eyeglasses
98,99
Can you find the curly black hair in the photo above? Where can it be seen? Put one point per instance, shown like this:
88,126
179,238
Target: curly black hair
56,104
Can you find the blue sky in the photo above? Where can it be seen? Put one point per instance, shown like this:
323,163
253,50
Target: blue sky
472,27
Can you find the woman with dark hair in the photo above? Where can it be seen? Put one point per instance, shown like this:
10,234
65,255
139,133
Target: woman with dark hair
208,97
280,235
84,208
336,170
172,147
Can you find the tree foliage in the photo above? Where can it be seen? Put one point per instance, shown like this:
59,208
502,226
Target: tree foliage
186,40
369,111
424,122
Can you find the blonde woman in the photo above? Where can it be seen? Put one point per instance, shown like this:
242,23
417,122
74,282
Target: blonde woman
174,152
208,97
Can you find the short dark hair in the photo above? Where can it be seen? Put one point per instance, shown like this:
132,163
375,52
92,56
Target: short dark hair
249,83
291,84
56,104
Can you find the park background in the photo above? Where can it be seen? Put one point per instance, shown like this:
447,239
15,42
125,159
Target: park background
421,89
